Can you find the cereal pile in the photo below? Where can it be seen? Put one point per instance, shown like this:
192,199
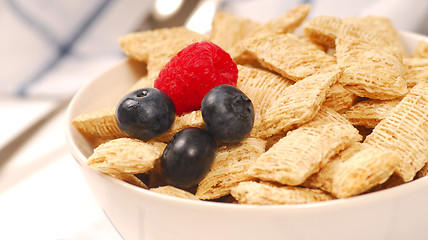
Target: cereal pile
339,111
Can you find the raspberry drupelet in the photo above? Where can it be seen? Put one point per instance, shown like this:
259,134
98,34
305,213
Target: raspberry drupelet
193,72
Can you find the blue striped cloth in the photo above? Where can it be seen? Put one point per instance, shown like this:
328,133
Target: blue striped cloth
50,48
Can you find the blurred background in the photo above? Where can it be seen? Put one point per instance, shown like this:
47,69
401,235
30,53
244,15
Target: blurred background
50,48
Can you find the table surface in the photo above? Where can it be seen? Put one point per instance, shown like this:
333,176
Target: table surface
42,192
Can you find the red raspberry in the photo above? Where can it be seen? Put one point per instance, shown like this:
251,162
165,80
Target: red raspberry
193,72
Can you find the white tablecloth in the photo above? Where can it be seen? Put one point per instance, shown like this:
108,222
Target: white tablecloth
43,195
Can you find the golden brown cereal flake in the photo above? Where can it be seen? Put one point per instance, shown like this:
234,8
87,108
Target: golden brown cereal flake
270,141
157,47
112,172
339,99
288,55
98,124
386,34
190,119
155,178
421,50
370,112
262,87
405,130
379,31
138,45
370,71
355,170
393,181
264,193
304,151
417,70
127,155
298,104
323,30
330,51
175,192
328,115
229,168
287,22
423,172
131,179
228,30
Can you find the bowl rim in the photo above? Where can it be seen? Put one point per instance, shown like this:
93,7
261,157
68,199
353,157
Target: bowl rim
363,199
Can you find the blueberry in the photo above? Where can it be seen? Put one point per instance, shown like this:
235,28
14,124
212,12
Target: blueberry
228,113
145,113
188,157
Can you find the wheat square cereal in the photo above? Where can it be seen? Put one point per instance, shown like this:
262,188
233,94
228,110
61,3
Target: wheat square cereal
190,119
339,99
328,115
370,112
393,181
417,71
173,191
323,30
262,87
229,168
286,23
157,47
288,55
265,193
329,51
138,45
305,150
98,124
126,177
405,130
421,50
369,70
130,178
355,170
228,30
382,27
154,176
127,155
423,172
298,104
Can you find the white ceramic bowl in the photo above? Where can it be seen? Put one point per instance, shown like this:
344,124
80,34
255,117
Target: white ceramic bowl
396,213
